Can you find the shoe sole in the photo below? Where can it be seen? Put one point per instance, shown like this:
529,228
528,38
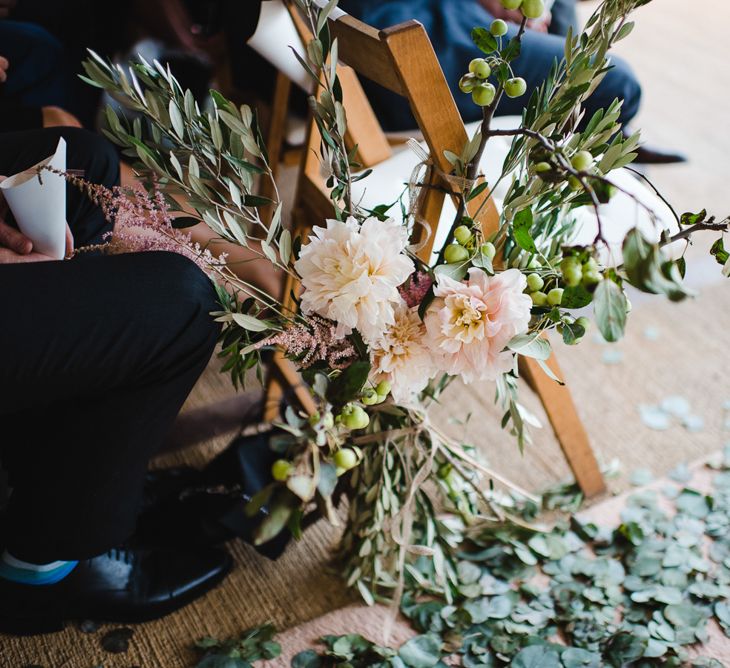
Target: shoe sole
46,625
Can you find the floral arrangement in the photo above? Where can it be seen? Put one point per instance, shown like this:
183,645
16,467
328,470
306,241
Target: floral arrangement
377,333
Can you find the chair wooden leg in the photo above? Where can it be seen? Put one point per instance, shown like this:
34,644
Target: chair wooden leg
283,374
566,424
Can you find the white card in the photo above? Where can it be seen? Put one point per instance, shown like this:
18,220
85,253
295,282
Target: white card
39,204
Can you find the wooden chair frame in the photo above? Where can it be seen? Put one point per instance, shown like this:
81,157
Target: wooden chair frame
402,60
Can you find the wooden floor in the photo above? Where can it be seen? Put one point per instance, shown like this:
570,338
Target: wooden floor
686,79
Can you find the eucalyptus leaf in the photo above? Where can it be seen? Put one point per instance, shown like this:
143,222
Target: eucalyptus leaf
423,651
536,656
609,303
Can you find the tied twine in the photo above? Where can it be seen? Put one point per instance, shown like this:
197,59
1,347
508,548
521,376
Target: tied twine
426,175
401,524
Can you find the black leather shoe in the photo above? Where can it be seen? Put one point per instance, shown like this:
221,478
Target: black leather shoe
651,155
126,586
189,507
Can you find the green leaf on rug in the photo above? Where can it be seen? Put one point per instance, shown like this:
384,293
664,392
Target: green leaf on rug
422,651
537,656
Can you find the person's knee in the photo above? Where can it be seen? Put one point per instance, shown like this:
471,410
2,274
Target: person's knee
196,296
93,153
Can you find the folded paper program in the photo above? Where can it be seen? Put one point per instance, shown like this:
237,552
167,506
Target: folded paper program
37,199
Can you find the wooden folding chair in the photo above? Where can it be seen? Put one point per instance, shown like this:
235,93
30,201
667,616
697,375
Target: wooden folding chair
402,60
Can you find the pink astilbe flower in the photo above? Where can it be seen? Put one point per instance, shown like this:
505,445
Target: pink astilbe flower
415,288
142,222
312,342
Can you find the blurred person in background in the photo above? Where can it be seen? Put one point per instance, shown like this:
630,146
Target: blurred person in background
449,24
34,78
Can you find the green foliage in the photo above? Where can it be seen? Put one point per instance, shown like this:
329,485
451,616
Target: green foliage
648,269
639,595
239,652
609,303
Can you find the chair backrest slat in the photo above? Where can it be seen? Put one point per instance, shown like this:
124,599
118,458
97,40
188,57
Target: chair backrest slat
361,47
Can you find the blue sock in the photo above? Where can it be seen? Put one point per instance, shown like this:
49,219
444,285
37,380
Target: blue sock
22,572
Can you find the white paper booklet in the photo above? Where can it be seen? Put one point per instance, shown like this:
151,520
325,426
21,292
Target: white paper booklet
39,205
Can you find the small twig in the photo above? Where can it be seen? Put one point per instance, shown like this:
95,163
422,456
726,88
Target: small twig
636,172
687,232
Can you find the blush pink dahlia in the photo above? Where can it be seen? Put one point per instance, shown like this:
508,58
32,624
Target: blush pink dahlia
469,323
351,273
402,357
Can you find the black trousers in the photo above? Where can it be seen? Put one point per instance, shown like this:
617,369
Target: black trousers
98,355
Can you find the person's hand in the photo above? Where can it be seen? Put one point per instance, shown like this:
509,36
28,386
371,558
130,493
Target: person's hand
495,8
4,64
6,6
15,247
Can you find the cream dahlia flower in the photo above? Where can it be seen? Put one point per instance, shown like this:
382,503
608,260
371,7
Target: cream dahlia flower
351,273
402,357
469,323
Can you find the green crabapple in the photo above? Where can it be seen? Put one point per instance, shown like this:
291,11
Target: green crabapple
591,277
539,298
346,459
281,469
511,4
572,271
383,388
455,253
581,161
555,296
583,322
498,28
489,250
590,265
355,417
467,83
463,235
535,282
515,87
483,94
480,68
533,9
370,397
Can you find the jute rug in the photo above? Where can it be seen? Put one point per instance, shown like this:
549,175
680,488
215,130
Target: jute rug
669,350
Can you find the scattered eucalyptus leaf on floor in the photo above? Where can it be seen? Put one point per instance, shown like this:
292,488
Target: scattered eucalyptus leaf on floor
639,595
676,405
654,417
239,652
641,477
